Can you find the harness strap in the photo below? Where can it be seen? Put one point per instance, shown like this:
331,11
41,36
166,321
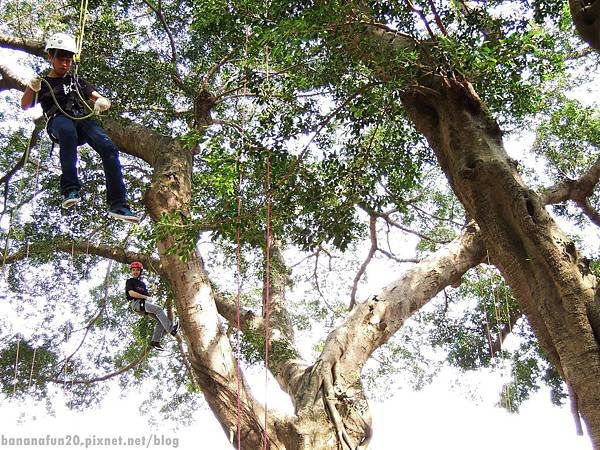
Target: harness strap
49,116
143,306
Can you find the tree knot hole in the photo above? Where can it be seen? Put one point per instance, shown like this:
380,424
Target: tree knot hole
468,172
530,208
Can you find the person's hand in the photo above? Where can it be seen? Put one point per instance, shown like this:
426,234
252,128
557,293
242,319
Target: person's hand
101,105
35,84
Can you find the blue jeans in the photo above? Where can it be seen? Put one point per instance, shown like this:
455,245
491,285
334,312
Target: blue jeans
70,134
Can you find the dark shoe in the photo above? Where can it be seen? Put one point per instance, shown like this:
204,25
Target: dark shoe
156,345
71,199
174,329
123,213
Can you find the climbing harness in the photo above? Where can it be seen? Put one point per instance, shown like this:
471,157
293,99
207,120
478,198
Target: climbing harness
70,106
142,305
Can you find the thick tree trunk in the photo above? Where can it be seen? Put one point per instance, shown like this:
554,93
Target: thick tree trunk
210,352
550,279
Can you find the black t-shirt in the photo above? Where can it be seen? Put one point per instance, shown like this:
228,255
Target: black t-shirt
137,285
65,91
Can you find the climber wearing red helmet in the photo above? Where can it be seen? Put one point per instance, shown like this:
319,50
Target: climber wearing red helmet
138,296
136,265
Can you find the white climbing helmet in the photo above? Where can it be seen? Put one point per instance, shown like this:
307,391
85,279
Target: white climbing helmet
62,41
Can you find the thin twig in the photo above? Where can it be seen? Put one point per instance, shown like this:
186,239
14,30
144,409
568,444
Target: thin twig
437,18
420,13
158,11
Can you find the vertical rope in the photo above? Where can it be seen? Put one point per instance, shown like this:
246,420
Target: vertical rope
238,258
83,8
28,149
238,321
16,366
268,259
267,297
507,310
31,371
6,242
238,349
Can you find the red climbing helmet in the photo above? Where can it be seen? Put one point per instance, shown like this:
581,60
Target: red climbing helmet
136,265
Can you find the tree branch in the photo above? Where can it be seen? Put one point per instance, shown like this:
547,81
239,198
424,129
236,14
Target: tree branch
67,245
108,376
161,17
586,15
373,322
33,140
438,20
590,212
419,12
578,191
388,218
138,141
31,46
92,321
10,80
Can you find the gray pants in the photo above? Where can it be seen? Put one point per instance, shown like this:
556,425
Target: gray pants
163,324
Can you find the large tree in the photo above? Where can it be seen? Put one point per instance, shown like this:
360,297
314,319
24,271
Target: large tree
308,126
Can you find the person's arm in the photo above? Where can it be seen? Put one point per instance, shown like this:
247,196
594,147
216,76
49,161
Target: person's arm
29,95
130,285
27,99
136,294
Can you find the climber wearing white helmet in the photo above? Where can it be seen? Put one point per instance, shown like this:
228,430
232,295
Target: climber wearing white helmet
63,96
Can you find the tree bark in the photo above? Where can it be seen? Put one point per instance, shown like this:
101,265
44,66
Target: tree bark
586,18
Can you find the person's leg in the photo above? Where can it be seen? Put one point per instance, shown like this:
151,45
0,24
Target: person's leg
163,324
97,138
64,129
158,332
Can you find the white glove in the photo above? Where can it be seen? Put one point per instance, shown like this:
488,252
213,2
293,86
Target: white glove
35,84
101,105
